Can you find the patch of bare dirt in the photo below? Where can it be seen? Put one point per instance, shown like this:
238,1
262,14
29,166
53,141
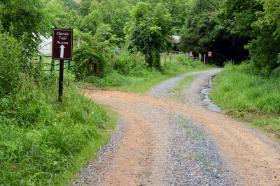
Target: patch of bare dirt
140,158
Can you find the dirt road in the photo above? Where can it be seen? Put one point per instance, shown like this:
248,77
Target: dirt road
165,141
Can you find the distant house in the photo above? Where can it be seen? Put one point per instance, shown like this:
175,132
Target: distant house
45,46
175,40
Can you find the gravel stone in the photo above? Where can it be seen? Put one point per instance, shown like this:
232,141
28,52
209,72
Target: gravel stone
187,155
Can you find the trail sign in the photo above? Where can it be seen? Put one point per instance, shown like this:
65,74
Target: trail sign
62,48
62,45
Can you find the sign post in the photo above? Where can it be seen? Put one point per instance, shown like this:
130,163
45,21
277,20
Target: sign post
62,49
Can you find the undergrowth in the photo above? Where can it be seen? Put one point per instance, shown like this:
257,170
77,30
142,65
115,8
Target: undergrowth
131,74
41,140
252,97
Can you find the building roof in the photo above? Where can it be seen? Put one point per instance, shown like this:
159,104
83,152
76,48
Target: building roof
176,39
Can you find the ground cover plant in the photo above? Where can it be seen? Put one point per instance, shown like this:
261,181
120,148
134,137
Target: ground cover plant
41,139
124,45
130,72
249,96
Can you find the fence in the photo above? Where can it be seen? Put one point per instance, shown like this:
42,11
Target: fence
47,64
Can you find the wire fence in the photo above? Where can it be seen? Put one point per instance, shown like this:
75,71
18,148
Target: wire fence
48,65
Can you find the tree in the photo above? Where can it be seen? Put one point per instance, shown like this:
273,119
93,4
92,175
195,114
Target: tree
59,15
24,20
110,12
238,16
199,29
264,48
256,21
71,4
179,10
149,31
84,7
11,60
202,33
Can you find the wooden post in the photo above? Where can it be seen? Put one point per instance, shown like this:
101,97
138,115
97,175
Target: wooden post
204,59
60,83
52,67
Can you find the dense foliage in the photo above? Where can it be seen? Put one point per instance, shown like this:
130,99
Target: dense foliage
123,43
149,31
232,29
24,20
40,139
235,30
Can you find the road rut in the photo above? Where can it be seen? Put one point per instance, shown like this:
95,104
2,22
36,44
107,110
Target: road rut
165,141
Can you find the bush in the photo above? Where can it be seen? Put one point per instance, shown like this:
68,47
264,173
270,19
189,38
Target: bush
131,64
112,79
41,139
276,73
183,59
88,61
11,64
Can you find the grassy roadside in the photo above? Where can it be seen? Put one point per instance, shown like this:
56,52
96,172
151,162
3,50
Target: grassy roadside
89,151
252,98
138,78
43,142
144,85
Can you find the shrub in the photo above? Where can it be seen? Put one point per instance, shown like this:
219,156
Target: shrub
183,59
41,139
112,79
131,64
88,62
11,64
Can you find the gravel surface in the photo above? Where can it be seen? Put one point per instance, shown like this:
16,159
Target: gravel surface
160,141
195,92
93,169
186,156
164,89
193,156
183,153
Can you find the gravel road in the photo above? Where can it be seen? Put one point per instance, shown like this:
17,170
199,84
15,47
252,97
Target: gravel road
195,92
161,140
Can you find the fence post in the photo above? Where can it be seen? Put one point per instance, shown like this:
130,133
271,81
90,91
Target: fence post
40,60
52,67
69,65
204,59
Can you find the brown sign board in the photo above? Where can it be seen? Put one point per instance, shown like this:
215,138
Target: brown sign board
62,44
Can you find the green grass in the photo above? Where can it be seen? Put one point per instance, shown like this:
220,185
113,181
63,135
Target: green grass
44,142
139,79
182,84
251,97
178,89
89,152
147,83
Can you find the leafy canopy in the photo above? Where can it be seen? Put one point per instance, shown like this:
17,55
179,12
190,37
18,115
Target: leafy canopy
149,31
